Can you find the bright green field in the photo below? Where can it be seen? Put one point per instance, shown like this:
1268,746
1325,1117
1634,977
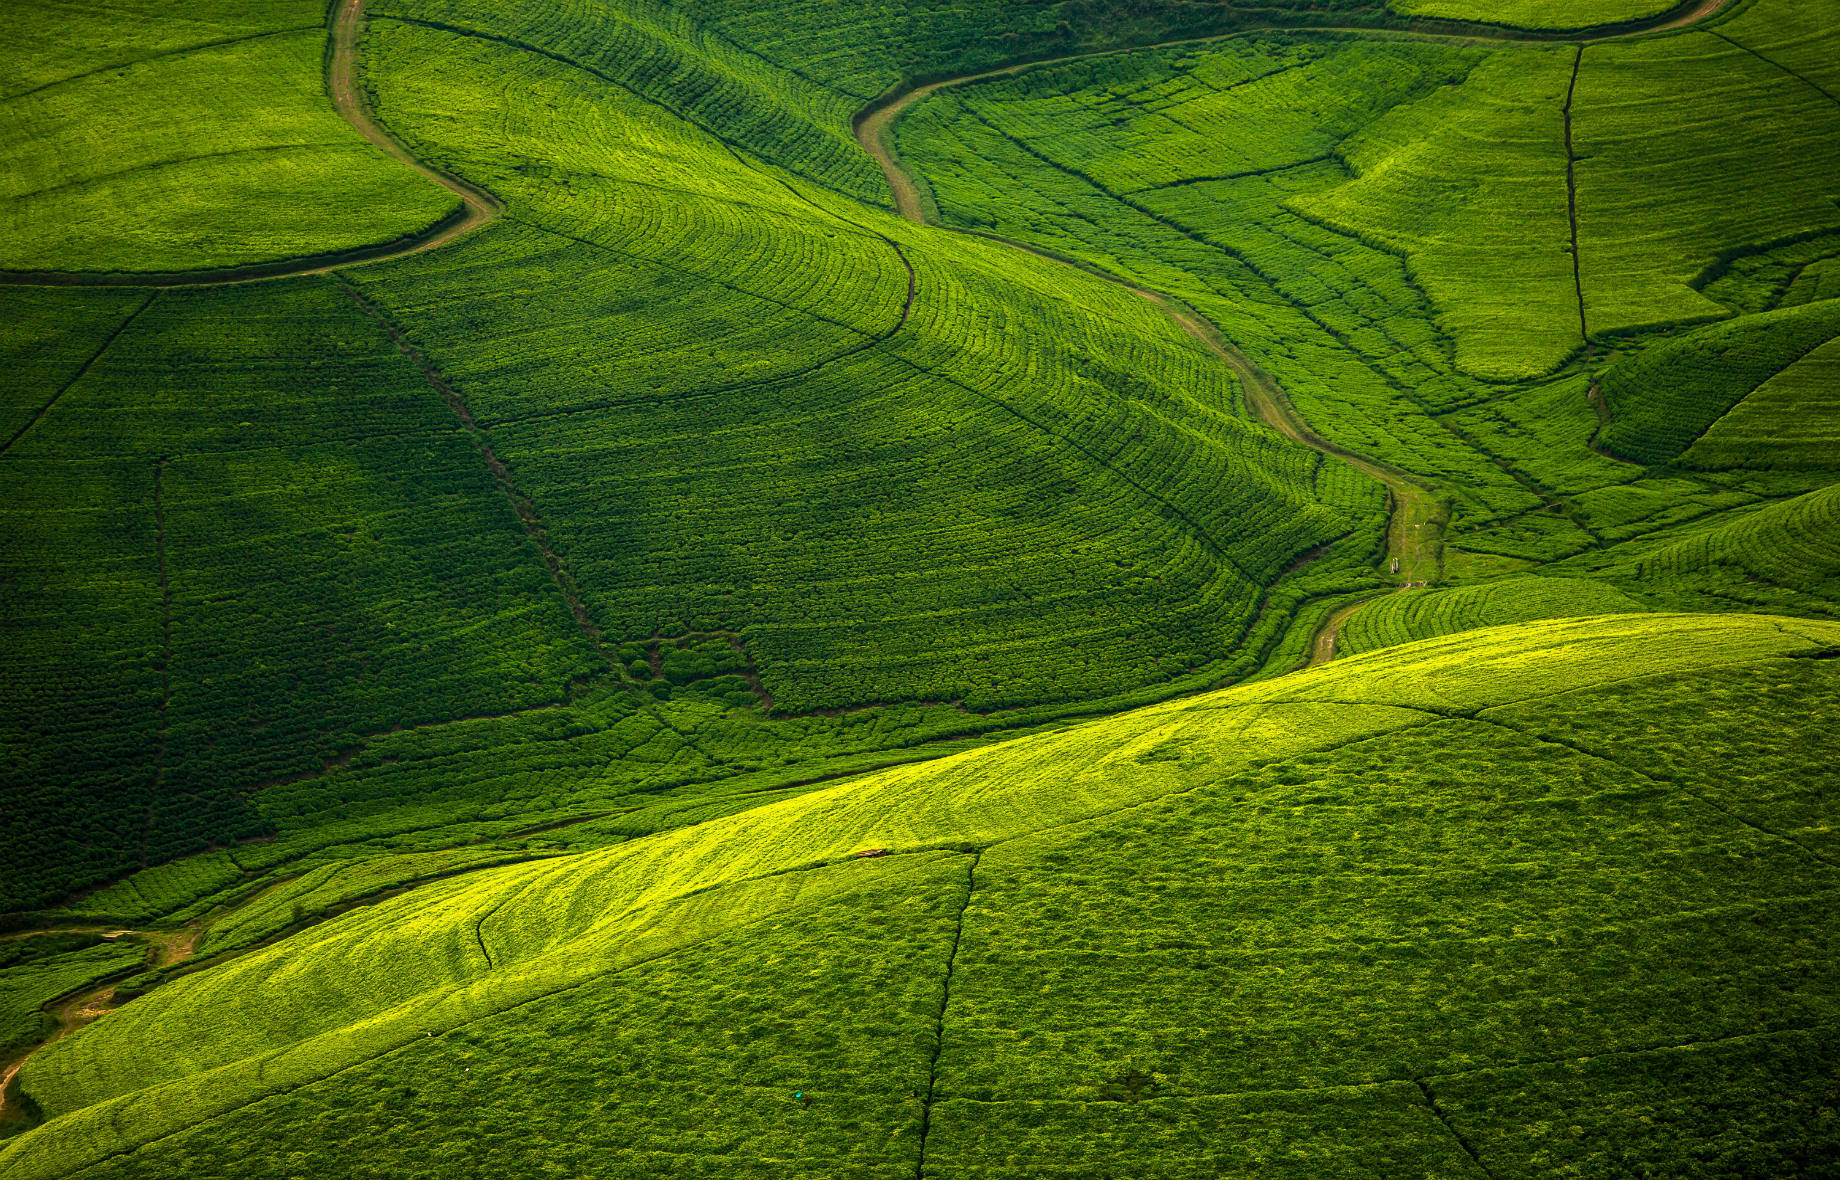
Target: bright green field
1332,921
1535,14
118,151
459,685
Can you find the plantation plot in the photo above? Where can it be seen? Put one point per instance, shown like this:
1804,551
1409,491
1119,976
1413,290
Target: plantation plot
1791,420
969,446
1664,398
118,151
1688,148
1783,557
1470,185
290,544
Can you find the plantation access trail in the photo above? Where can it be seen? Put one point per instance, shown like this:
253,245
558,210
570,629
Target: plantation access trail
72,1011
1415,525
1414,549
477,206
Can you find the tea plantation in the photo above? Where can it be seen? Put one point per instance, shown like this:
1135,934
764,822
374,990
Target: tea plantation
1056,588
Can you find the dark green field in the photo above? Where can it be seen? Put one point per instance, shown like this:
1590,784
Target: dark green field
1303,537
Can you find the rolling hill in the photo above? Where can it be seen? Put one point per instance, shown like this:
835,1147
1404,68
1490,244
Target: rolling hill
1061,588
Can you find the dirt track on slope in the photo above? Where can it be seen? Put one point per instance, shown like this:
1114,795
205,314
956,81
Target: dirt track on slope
1414,550
478,207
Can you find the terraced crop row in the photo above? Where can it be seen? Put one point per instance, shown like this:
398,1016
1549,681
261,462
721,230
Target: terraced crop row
657,56
1783,556
1535,14
1424,614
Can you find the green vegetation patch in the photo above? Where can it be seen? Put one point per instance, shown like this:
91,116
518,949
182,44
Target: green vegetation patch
1664,398
1470,185
1422,614
1535,14
1689,148
271,539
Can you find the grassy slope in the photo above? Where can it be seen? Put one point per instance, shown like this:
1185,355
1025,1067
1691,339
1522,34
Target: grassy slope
1535,14
121,152
1399,943
1386,352
752,455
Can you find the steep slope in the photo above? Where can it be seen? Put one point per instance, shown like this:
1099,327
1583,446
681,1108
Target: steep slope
1336,921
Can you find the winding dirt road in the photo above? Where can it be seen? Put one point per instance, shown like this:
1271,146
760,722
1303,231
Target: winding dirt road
477,206
1415,527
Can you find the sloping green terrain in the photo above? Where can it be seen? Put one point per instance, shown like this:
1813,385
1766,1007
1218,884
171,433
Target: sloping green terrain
119,150
1061,588
1327,922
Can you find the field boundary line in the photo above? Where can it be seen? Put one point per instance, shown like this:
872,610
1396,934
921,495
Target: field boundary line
166,651
1571,198
1770,61
82,369
1438,1112
522,507
939,1023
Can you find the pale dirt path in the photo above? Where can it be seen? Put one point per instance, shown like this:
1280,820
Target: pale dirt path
164,948
478,207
